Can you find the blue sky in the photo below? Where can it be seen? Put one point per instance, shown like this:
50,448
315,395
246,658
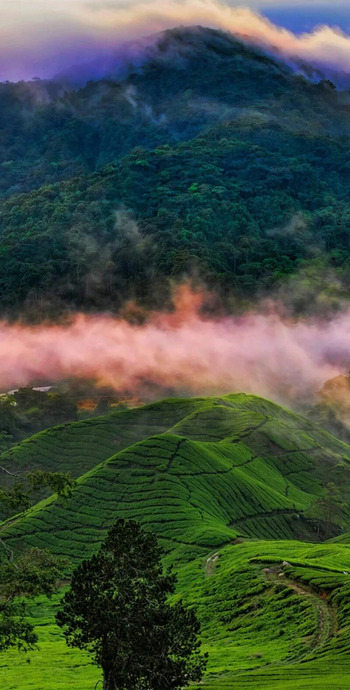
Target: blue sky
305,17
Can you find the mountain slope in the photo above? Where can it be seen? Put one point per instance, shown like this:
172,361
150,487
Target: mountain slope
223,467
242,205
264,625
184,81
227,165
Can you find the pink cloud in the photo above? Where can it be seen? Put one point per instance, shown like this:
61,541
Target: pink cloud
265,354
79,31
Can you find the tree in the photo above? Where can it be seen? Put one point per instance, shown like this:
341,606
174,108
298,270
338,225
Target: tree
117,609
33,572
18,497
328,506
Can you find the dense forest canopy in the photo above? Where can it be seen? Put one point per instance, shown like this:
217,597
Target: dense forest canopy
210,160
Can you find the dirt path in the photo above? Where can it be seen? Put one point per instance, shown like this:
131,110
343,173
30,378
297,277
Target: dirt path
326,616
210,564
325,612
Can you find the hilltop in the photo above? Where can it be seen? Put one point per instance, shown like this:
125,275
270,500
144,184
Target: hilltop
231,487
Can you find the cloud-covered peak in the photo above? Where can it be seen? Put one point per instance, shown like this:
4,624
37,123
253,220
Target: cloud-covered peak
80,32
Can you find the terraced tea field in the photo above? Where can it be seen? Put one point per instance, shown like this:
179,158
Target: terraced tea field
230,486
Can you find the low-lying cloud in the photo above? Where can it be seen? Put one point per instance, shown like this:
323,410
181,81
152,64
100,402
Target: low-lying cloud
46,42
284,359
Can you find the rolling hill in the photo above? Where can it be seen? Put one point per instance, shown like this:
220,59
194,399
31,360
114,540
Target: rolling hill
231,487
269,467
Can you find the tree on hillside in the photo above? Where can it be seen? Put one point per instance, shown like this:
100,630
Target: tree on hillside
26,411
117,609
19,496
329,506
31,573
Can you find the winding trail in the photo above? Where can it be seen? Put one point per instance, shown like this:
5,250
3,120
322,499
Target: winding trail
326,615
324,611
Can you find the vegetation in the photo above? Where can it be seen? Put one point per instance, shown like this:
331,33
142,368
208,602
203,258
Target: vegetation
215,161
27,410
232,488
117,609
233,170
269,468
31,573
35,572
19,496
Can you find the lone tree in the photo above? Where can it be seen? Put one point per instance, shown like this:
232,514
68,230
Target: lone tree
117,609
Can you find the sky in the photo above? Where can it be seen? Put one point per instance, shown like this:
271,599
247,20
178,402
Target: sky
42,37
305,16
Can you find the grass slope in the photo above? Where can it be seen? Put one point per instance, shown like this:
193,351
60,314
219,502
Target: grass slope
215,468
261,630
201,473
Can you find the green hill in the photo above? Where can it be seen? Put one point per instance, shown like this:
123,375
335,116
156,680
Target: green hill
201,470
230,486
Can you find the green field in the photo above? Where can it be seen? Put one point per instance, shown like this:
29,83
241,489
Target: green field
230,486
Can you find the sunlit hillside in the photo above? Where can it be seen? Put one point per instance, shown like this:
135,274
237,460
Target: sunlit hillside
232,488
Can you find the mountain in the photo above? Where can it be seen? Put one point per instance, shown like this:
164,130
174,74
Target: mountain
232,487
186,79
230,167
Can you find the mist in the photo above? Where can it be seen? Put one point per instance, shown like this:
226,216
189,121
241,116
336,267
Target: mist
280,358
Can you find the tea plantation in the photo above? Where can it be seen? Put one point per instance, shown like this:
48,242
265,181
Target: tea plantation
232,486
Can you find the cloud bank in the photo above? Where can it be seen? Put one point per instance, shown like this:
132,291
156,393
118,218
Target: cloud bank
265,354
45,42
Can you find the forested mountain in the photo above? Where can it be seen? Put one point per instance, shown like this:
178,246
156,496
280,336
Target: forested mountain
188,80
208,159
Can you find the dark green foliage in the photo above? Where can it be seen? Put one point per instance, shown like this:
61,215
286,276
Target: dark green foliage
328,506
117,609
20,496
35,572
44,409
58,483
27,410
273,602
49,133
233,169
15,499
